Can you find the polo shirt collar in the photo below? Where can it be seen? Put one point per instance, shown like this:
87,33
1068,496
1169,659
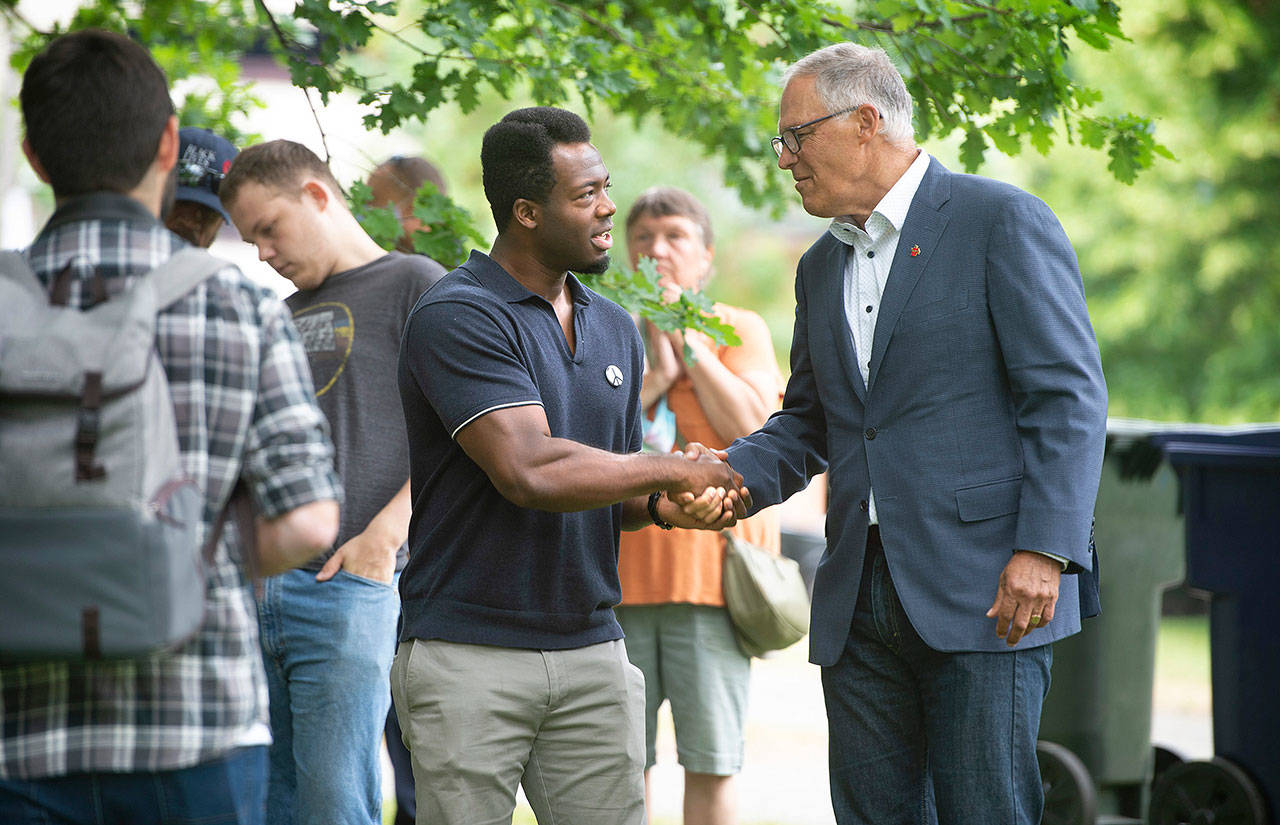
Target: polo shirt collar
498,281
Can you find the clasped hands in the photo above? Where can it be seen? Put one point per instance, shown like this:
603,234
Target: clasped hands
723,498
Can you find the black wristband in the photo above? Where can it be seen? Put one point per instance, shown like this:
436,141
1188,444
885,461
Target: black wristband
653,512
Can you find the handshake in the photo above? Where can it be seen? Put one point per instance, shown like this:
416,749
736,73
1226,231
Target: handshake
707,494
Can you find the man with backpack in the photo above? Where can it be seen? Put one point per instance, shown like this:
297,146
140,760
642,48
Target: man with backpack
180,733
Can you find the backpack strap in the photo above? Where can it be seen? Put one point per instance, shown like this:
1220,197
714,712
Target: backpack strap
14,266
171,280
182,273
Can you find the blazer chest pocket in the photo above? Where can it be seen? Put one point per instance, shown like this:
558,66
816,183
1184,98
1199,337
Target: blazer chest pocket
933,309
984,501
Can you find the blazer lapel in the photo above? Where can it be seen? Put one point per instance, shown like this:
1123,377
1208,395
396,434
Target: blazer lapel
833,293
921,230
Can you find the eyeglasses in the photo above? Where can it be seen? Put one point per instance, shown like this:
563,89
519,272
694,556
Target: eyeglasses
791,140
195,174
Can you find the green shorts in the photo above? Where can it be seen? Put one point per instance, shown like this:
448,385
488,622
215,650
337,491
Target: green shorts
689,657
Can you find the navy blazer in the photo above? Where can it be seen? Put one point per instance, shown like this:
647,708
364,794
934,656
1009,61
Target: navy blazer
981,428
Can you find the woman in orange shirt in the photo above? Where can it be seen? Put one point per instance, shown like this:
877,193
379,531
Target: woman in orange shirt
677,629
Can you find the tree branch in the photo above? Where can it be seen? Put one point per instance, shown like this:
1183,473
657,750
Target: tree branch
414,47
885,28
984,6
969,60
760,18
275,27
324,139
13,14
286,44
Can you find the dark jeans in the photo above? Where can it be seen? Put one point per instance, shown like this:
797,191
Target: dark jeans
920,737
402,767
231,790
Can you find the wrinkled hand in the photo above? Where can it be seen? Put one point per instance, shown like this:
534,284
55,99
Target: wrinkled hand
1028,589
362,556
736,496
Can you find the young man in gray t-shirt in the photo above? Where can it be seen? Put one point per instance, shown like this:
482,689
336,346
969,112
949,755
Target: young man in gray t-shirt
328,630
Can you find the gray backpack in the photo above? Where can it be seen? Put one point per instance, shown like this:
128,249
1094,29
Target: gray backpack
99,527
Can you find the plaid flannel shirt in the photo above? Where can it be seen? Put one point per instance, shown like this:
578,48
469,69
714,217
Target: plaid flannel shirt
245,409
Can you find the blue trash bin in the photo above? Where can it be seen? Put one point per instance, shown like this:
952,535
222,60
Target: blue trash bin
1231,506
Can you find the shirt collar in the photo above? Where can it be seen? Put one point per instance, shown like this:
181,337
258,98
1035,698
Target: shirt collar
498,281
892,208
100,206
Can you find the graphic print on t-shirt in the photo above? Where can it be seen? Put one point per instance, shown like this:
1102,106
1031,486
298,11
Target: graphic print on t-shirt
328,332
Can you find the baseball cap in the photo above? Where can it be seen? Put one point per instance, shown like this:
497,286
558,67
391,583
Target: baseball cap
203,161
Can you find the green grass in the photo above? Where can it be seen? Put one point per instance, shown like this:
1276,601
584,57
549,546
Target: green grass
1182,665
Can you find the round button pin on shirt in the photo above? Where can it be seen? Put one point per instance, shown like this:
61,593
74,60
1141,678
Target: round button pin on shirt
613,375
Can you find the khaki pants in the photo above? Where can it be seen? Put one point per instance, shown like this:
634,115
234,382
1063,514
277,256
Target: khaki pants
567,725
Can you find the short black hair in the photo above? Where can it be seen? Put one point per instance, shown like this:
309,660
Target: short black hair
515,157
95,105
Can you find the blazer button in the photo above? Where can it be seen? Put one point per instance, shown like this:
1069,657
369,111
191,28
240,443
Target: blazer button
864,506
871,433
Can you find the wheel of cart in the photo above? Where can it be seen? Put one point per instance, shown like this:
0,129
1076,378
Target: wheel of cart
1069,795
1163,760
1217,792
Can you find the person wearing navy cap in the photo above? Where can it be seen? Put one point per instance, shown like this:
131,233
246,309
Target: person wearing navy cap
203,161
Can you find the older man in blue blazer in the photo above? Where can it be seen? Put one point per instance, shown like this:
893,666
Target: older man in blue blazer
945,372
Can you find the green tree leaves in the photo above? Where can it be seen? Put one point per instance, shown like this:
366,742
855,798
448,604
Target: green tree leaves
995,71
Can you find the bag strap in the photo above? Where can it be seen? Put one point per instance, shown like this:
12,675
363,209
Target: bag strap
60,289
171,280
238,509
14,266
182,273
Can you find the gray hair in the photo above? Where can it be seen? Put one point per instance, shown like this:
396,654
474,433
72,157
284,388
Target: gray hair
848,75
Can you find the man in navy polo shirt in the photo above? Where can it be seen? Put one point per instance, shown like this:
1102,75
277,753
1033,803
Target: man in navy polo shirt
520,389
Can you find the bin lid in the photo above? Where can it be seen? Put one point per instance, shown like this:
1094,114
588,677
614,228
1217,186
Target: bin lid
1140,446
1206,453
1129,429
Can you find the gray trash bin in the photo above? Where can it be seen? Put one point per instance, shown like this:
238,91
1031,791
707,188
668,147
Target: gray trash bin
1096,755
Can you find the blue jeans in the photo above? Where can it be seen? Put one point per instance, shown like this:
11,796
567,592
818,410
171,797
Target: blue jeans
921,737
230,790
327,647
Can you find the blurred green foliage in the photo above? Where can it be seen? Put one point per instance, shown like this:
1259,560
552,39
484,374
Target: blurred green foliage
448,233
1182,269
196,43
706,70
